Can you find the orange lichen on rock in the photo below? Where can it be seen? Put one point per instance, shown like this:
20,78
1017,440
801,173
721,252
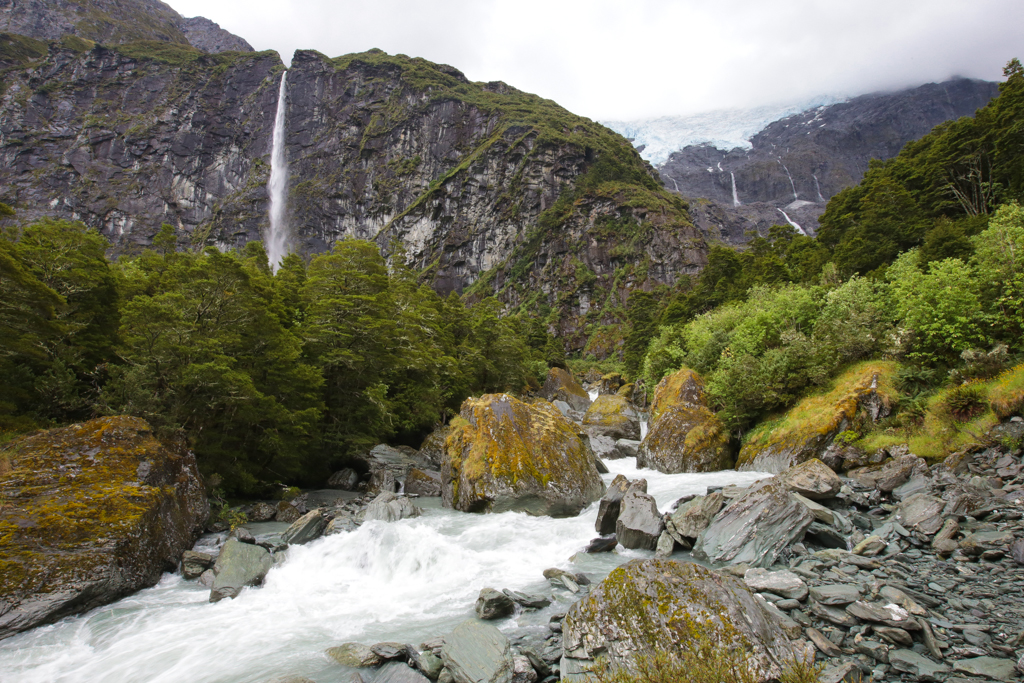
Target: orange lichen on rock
90,513
505,454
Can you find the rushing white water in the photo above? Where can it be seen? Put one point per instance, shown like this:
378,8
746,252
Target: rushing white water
790,221
405,581
735,195
277,187
593,394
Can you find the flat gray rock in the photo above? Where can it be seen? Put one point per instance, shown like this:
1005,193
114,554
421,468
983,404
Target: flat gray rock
921,512
835,594
477,653
306,528
784,583
996,668
909,662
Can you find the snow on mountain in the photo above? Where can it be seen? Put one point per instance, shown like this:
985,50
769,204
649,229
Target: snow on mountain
725,129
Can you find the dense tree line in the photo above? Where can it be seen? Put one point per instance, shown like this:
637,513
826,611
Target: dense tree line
922,261
273,377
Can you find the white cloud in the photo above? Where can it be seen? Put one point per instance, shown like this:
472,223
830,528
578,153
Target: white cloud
617,60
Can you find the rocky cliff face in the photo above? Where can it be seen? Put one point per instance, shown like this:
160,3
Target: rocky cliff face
113,22
797,164
481,184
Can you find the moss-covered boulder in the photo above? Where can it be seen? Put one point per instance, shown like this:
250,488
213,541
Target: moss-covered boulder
808,429
646,606
684,435
432,448
88,514
504,454
560,386
612,416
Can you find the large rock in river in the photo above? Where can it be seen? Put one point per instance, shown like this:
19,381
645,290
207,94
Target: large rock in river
93,512
612,416
504,454
684,435
477,653
755,527
560,386
649,605
239,565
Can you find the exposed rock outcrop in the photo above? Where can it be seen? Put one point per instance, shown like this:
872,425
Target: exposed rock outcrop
92,512
561,386
508,455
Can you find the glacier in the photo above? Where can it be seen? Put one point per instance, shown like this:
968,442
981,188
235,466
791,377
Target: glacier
725,129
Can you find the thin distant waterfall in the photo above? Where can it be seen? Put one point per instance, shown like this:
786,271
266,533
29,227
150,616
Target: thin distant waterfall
817,187
735,196
791,183
790,221
277,187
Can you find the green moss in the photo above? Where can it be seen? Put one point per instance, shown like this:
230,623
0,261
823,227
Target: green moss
20,50
1006,393
180,55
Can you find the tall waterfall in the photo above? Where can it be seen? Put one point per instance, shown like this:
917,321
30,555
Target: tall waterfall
790,221
818,188
277,187
735,196
791,183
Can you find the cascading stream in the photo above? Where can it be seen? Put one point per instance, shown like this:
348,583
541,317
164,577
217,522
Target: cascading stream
405,581
735,195
277,187
791,222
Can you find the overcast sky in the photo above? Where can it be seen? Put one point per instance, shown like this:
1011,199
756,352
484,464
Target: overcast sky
646,58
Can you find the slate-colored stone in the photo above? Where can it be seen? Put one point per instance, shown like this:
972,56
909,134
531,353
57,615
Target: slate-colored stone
307,528
239,565
639,525
477,653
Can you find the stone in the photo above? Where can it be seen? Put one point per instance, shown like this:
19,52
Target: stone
835,594
423,483
207,578
896,472
602,545
996,668
429,663
522,670
561,386
872,648
478,653
612,416
826,646
625,448
509,455
870,546
1017,551
666,545
148,517
890,615
755,528
526,600
640,524
921,512
307,528
919,666
399,672
389,507
895,636
611,501
694,516
898,597
847,672
820,512
686,439
239,565
833,615
391,650
193,564
432,448
812,479
602,446
641,605
346,479
784,583
261,512
683,387
342,522
976,543
492,604
355,655
286,512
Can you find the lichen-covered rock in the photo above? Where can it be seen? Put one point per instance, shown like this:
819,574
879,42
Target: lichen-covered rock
684,435
807,430
92,512
508,455
812,479
560,386
423,482
612,416
755,527
650,605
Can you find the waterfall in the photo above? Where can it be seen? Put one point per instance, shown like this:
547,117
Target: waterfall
791,183
277,186
817,187
790,221
735,196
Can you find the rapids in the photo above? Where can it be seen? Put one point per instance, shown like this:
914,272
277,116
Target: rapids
406,581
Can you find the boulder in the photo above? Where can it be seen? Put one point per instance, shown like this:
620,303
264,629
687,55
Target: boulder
560,386
996,668
608,509
918,666
477,653
784,583
649,605
625,448
346,479
399,672
432,448
602,446
239,565
388,466
389,507
684,435
286,512
808,429
921,512
509,455
639,525
423,482
307,528
193,564
493,604
355,655
896,472
694,516
342,522
755,527
121,512
812,479
612,416
261,512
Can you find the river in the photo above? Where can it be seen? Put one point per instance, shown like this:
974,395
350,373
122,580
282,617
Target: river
406,581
